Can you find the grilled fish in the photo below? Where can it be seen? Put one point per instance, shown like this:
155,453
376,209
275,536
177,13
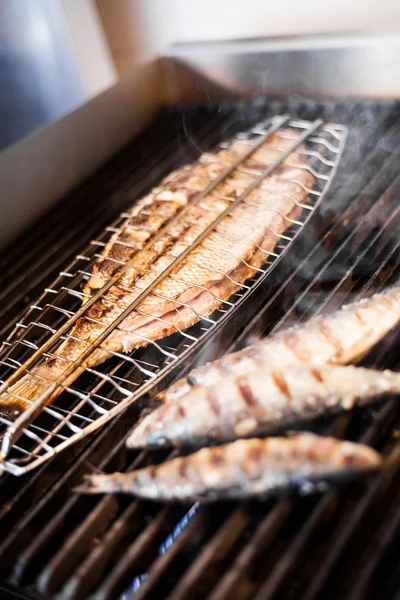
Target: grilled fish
260,401
254,467
153,235
338,338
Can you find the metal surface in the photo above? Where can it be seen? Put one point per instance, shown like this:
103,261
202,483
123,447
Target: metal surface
39,75
39,171
342,544
347,66
63,154
30,440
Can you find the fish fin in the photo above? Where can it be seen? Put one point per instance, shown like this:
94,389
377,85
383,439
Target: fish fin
19,397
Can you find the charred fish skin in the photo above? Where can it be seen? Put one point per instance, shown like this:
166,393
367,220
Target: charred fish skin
197,286
263,401
242,469
337,338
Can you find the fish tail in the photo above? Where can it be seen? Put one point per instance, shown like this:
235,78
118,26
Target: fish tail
105,484
20,396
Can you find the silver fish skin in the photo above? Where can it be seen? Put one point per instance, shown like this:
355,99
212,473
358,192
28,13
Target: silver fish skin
339,338
260,401
245,468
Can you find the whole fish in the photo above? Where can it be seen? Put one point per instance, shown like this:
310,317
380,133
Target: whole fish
154,234
337,338
254,467
260,401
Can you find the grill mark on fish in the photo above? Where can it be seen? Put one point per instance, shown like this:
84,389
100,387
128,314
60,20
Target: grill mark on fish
181,413
213,402
246,392
349,461
279,380
330,337
152,472
291,340
217,458
254,453
183,469
387,301
316,373
359,317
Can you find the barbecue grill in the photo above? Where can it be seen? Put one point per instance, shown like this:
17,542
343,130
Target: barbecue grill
341,543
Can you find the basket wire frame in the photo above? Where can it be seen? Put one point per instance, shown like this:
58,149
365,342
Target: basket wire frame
103,392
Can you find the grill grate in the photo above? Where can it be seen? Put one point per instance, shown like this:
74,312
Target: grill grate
56,543
79,410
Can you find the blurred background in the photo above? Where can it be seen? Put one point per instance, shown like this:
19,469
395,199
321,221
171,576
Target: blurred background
57,54
79,78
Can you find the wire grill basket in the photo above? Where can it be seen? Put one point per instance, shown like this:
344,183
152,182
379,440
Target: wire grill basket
102,392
